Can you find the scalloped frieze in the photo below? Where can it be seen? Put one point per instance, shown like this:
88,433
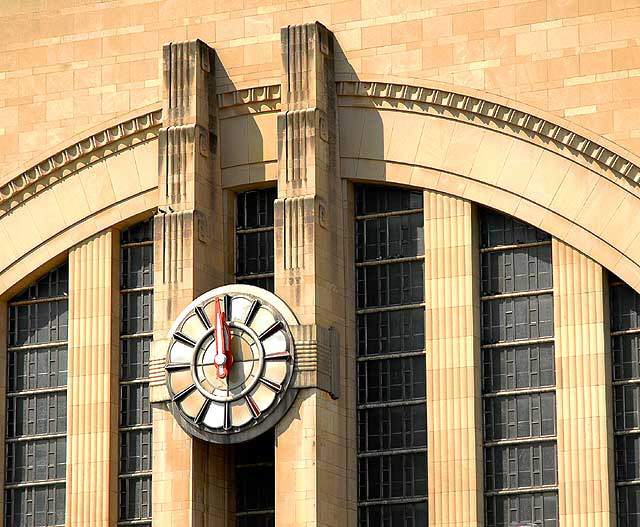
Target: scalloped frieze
74,157
481,111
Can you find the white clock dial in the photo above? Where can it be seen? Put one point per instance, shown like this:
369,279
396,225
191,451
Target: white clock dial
221,388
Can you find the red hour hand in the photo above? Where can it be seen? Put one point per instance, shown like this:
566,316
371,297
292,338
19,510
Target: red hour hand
223,358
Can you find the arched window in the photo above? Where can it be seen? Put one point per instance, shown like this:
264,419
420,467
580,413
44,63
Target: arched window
36,406
518,373
136,334
391,368
625,347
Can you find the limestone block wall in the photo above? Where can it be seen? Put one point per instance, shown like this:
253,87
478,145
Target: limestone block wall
65,66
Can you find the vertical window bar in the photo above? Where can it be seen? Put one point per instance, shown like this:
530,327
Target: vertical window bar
136,324
36,404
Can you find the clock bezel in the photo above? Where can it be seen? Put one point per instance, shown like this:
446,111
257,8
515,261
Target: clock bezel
283,399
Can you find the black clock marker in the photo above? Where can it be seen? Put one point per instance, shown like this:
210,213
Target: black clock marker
253,407
203,317
253,310
273,385
177,366
203,411
181,337
184,393
270,330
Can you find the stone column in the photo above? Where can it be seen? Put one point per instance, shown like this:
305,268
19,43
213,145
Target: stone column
454,405
312,478
583,390
188,248
92,389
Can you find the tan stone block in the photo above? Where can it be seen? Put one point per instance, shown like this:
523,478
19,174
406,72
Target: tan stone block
59,109
531,42
531,12
469,22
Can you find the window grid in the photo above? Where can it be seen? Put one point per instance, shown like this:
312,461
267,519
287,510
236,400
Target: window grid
391,368
518,373
254,237
625,349
255,460
36,405
136,334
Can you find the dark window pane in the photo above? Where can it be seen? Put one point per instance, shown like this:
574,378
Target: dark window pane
38,460
40,506
255,208
520,416
400,331
255,481
517,318
38,323
389,380
140,232
135,408
54,284
134,358
136,266
389,237
392,476
254,253
135,451
373,199
625,306
36,414
516,270
394,515
627,406
135,498
136,311
388,428
518,367
390,284
628,506
518,466
535,509
37,368
626,357
499,229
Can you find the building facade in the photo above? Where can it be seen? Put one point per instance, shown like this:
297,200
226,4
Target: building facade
330,264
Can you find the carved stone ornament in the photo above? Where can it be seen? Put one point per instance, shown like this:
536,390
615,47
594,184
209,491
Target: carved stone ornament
231,363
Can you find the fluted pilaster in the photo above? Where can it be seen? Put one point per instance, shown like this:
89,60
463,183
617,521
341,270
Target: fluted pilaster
92,391
453,361
585,437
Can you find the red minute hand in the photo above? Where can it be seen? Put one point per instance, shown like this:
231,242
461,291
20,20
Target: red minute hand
223,357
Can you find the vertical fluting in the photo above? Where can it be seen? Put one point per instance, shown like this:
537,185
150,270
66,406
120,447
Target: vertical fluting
453,354
92,384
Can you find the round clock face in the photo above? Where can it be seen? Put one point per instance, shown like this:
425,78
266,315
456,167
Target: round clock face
230,364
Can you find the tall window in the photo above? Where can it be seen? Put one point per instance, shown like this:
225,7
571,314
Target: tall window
391,368
518,373
136,333
255,460
625,346
37,403
254,238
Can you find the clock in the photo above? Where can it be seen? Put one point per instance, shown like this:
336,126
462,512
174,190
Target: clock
230,364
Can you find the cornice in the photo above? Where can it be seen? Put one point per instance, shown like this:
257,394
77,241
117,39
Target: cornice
496,115
80,154
251,100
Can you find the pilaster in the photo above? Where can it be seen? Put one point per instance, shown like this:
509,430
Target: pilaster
583,393
92,390
311,474
454,422
188,247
